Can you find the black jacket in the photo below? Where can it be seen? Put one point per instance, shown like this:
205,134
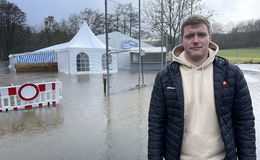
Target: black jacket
233,106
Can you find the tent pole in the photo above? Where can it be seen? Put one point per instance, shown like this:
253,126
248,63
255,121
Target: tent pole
162,57
141,58
107,54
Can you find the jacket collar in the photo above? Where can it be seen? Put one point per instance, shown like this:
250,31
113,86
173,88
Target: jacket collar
220,62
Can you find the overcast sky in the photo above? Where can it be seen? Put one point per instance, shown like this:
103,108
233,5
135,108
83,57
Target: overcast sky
226,10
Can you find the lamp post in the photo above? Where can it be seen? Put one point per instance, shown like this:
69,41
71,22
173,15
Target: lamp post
107,54
140,49
162,34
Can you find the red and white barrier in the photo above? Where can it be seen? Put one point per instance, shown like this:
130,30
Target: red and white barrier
30,95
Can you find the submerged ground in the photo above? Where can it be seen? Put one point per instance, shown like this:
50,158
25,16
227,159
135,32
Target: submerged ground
87,125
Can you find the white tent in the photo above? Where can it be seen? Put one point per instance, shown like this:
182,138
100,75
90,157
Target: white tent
84,54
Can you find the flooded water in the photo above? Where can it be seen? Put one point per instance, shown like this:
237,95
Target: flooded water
87,125
252,74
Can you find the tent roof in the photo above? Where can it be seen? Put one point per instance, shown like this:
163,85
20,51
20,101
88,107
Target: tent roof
116,39
85,38
58,46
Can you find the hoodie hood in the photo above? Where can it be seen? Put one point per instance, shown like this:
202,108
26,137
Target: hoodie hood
178,56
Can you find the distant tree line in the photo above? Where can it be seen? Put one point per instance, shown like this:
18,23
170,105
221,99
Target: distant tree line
16,36
246,34
11,24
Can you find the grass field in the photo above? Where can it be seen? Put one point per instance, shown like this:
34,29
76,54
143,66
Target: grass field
250,55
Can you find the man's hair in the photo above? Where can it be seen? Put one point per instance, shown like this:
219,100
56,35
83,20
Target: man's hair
194,20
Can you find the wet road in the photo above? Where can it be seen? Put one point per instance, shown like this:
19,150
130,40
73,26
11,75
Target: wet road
253,78
87,125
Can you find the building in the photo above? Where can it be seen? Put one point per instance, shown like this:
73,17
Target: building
127,49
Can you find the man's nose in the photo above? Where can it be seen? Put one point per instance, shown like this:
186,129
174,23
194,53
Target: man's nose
195,39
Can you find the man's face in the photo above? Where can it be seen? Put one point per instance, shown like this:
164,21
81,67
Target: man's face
196,41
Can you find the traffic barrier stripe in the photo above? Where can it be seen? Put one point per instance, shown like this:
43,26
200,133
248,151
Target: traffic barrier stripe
28,107
11,91
30,95
53,86
41,87
40,104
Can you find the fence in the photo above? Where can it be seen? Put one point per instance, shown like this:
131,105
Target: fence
30,95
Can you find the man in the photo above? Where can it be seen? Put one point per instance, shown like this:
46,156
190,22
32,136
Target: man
200,107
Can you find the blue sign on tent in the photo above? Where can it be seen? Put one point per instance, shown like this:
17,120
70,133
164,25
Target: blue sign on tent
41,57
127,44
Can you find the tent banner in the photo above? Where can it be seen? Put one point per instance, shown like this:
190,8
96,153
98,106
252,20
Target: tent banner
41,57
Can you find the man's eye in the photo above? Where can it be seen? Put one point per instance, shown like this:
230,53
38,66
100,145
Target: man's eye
189,36
202,35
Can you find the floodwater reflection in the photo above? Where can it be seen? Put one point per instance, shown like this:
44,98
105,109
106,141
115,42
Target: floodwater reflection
87,125
34,120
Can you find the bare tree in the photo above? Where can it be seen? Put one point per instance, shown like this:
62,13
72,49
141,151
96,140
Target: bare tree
217,28
125,19
244,26
257,25
11,18
175,11
228,27
243,35
117,16
74,22
50,24
133,18
95,20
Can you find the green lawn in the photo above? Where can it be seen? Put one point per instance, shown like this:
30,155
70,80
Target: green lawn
250,55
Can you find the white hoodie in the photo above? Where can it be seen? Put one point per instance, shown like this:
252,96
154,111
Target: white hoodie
202,138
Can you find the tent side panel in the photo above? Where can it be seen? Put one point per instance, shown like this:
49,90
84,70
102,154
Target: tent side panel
123,60
114,62
73,61
63,61
95,61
